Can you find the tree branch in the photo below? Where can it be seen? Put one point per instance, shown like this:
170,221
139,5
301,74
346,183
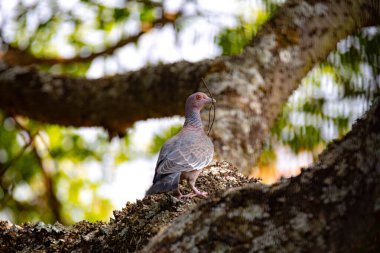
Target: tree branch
325,209
28,142
16,56
113,102
250,89
5,167
333,206
53,202
131,227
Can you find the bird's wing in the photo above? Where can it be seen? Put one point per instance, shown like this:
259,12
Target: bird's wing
191,152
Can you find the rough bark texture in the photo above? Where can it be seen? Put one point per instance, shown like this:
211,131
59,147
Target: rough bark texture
131,227
250,88
255,85
334,206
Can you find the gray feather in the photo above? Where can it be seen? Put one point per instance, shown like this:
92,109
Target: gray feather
186,151
164,183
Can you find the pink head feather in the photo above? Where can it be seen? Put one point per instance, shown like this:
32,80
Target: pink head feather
194,104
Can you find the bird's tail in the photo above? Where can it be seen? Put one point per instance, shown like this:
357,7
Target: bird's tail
164,183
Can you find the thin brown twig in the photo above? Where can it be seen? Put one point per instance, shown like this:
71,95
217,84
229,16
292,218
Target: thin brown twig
4,168
37,133
53,201
29,142
209,112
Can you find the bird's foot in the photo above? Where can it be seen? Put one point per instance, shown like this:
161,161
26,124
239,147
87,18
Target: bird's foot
196,193
201,194
180,195
186,196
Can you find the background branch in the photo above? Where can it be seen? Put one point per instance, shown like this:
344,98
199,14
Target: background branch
3,168
53,201
16,56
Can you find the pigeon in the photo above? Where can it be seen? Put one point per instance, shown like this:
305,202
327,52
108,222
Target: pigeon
184,155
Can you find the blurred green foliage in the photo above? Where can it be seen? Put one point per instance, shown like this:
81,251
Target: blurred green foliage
34,155
330,98
44,28
333,95
46,154
233,40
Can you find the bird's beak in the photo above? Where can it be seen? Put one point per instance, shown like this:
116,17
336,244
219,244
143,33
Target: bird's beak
211,100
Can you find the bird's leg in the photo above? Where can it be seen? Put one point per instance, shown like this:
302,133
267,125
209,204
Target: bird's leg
196,191
191,177
191,182
179,193
182,196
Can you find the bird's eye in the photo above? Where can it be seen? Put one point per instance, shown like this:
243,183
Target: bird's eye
198,97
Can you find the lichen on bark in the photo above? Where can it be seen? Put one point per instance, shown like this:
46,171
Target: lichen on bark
330,207
129,230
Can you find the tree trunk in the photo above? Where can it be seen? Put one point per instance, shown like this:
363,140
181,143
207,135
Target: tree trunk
250,89
334,206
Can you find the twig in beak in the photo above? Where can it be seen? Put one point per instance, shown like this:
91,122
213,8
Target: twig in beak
209,112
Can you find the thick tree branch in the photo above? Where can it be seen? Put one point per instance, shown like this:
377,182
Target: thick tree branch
334,206
131,227
113,102
250,89
255,85
15,56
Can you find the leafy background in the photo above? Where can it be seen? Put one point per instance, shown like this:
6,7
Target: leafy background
54,173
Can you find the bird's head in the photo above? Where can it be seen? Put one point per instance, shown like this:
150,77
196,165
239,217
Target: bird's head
197,101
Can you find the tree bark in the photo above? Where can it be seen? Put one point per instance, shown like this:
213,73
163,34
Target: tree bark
131,228
334,206
250,89
112,102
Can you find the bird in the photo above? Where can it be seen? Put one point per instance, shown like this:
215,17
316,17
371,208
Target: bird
184,155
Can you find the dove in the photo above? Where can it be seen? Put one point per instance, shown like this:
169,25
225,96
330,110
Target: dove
185,154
